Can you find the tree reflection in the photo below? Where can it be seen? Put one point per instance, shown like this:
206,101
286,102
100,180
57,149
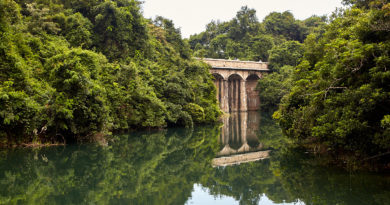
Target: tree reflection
162,168
291,175
145,168
306,178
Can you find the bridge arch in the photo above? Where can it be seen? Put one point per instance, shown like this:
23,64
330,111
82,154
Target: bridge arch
236,76
218,76
253,76
239,133
217,73
236,82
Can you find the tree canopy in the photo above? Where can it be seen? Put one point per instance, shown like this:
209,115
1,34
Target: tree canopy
245,38
340,93
329,79
72,69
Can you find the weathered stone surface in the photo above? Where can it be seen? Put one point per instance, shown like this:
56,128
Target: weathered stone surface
236,82
236,64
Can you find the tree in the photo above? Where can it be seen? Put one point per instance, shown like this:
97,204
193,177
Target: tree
284,24
260,47
288,53
78,107
73,69
119,30
76,29
339,92
243,24
245,38
273,87
173,36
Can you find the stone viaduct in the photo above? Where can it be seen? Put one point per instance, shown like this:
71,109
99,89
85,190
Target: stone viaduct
236,82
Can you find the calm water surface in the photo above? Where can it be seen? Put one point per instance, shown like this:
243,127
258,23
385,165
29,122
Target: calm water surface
204,165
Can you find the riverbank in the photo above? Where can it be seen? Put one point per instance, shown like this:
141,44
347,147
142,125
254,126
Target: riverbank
32,145
348,160
100,138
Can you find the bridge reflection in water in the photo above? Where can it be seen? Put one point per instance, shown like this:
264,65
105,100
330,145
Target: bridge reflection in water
239,142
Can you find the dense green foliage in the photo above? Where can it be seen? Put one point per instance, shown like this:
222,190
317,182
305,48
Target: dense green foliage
283,59
273,87
245,38
70,69
330,77
340,95
277,39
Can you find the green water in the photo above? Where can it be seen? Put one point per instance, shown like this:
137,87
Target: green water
175,167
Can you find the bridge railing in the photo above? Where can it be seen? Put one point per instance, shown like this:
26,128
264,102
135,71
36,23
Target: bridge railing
236,64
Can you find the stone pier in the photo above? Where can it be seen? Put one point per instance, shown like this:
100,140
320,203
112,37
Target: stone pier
236,83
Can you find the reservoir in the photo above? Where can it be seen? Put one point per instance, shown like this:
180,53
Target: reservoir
245,160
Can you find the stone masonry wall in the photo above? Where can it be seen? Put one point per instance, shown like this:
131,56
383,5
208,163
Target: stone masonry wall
220,63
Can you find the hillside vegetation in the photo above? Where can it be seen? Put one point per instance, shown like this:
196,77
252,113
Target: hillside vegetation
330,80
340,94
72,69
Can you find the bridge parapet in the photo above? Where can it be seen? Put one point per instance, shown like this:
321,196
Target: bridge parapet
236,65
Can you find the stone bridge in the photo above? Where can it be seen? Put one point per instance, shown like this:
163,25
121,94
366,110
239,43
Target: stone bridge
236,82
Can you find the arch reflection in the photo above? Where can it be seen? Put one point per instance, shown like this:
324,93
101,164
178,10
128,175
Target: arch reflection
239,141
239,133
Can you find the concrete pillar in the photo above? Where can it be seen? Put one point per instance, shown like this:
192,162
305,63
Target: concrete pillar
226,128
244,104
244,126
225,131
238,128
231,129
234,96
225,100
220,91
231,95
234,135
229,85
238,96
233,107
244,120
